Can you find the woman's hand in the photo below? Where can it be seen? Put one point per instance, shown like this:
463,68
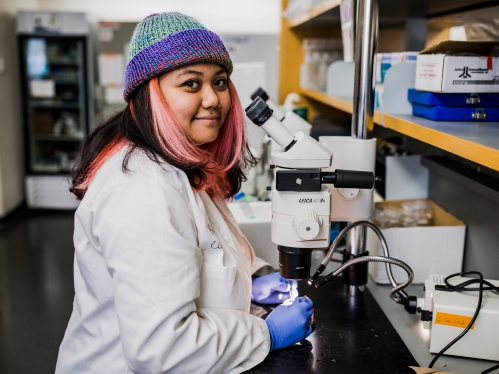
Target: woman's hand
290,324
272,289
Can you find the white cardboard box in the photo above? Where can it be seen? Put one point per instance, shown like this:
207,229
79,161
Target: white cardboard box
456,66
436,249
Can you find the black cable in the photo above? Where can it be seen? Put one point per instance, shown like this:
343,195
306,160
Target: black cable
491,369
460,287
397,293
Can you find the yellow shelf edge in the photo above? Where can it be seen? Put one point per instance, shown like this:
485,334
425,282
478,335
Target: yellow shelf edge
481,154
335,102
338,103
316,11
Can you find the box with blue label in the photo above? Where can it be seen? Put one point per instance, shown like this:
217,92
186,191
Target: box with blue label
454,106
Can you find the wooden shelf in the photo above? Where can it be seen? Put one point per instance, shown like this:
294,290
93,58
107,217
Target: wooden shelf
322,13
336,102
343,104
474,141
394,12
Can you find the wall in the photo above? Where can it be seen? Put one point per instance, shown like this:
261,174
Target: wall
221,16
12,6
256,48
474,199
11,139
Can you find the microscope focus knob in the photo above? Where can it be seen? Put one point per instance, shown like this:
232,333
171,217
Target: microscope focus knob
348,193
307,224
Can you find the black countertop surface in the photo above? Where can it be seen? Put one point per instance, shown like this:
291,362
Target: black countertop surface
352,336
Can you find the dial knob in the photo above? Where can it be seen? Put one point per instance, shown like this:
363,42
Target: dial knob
348,193
307,224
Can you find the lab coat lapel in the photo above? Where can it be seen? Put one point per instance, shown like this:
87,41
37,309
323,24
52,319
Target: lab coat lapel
217,220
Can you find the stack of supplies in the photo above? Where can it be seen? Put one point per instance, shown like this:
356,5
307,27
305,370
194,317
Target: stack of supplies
384,61
457,81
455,107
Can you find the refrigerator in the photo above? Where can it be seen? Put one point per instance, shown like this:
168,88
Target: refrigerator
56,79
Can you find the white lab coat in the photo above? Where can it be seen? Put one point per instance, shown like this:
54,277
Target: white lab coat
161,283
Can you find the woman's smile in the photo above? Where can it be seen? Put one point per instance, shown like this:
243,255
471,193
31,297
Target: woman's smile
208,120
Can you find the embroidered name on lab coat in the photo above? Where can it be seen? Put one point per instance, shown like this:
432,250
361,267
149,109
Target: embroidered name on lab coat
216,244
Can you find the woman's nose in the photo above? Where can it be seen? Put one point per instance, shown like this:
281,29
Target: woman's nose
210,98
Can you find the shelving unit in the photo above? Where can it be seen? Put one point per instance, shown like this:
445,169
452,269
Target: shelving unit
57,117
342,104
54,104
474,141
320,15
468,191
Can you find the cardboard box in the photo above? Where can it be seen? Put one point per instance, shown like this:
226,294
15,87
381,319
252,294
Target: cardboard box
454,66
436,249
384,61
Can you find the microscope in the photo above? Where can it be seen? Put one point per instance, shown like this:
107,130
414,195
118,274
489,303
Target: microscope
310,191
301,201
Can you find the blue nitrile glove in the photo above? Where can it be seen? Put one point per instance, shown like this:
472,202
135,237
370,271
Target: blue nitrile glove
290,324
271,289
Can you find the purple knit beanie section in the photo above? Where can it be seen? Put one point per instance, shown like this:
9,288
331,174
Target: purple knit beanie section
173,51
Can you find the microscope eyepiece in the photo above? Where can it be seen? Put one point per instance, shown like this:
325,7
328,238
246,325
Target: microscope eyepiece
260,92
258,112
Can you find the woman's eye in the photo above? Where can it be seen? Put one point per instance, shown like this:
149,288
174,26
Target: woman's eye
191,84
221,82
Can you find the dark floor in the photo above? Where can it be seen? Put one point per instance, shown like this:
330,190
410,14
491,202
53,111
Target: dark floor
36,289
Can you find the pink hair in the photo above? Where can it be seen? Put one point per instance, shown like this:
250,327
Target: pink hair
216,159
110,149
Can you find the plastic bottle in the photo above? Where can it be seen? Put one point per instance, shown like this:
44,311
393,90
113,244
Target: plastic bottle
241,198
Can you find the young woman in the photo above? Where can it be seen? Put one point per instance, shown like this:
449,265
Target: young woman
163,276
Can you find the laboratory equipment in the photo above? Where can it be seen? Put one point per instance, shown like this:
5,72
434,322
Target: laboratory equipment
57,101
301,207
301,204
449,307
292,122
300,179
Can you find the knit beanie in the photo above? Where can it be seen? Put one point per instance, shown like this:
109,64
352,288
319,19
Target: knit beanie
165,41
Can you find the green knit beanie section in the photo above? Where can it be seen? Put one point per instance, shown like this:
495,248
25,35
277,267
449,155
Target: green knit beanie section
157,26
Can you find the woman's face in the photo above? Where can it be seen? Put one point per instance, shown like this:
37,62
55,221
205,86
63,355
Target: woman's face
194,93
